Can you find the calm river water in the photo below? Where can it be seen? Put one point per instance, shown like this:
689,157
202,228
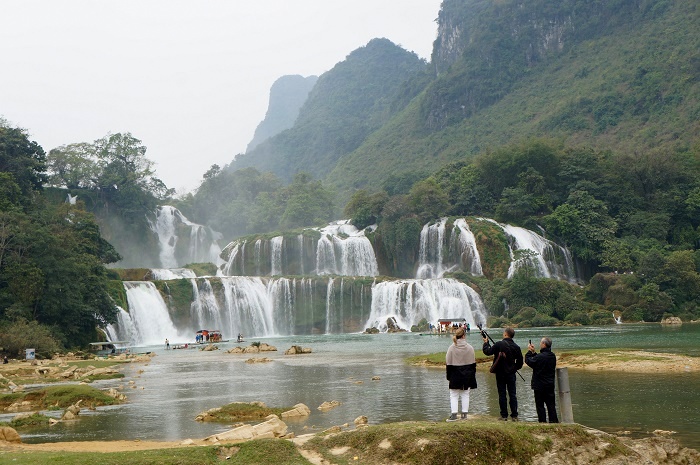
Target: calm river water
179,384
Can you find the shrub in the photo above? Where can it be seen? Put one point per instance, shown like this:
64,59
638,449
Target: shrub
16,336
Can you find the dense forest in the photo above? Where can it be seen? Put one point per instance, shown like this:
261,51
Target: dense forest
55,289
576,119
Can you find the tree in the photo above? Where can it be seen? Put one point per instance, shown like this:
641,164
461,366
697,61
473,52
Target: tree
583,224
25,160
428,200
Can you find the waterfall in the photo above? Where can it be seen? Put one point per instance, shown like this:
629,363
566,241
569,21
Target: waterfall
199,246
123,330
460,245
149,315
165,229
550,260
469,254
432,238
276,252
249,307
341,249
344,250
205,309
165,274
409,301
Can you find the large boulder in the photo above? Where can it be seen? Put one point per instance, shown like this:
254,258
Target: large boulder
8,434
272,427
328,405
296,350
299,410
672,320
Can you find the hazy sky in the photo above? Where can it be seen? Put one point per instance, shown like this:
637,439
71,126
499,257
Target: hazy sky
190,79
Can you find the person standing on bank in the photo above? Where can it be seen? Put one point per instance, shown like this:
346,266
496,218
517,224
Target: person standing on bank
507,359
543,367
460,364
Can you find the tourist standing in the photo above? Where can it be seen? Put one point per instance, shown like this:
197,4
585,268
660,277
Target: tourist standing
460,364
507,360
167,344
543,367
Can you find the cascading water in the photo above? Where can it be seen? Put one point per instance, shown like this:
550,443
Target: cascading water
148,316
432,238
335,297
123,330
460,245
179,247
164,274
410,301
337,249
550,260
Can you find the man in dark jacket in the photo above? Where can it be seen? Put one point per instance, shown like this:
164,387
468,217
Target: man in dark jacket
507,359
543,367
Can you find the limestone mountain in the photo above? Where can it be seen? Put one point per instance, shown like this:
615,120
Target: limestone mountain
619,75
287,95
347,104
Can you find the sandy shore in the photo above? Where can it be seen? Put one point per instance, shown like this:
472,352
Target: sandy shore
631,362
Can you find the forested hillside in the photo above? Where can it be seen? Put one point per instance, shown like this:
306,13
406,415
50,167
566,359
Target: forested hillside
54,287
618,75
348,103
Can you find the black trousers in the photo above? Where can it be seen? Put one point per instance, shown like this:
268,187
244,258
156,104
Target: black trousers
544,398
507,383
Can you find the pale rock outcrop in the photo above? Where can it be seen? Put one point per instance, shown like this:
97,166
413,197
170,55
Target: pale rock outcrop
328,405
259,360
361,420
8,434
111,392
69,372
299,410
272,427
672,320
209,348
100,372
72,411
208,415
295,350
19,406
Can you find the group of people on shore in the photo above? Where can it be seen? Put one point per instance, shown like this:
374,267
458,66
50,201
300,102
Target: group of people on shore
460,363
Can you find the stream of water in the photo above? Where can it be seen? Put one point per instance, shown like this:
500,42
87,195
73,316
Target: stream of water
179,384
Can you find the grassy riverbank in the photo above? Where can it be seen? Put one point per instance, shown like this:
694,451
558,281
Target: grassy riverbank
628,360
478,441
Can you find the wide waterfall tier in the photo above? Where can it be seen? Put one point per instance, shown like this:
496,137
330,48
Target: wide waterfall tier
451,245
408,302
270,306
339,249
181,241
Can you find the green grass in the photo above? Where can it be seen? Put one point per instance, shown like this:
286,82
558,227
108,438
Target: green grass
240,411
60,397
476,442
259,452
438,359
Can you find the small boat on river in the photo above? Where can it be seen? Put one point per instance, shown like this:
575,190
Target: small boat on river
110,348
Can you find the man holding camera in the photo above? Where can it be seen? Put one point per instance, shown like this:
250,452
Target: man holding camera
507,360
543,367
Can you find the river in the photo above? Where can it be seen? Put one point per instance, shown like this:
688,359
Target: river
178,384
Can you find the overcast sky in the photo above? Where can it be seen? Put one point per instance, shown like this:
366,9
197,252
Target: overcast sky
190,79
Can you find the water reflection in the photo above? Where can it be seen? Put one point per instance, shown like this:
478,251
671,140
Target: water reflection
179,384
